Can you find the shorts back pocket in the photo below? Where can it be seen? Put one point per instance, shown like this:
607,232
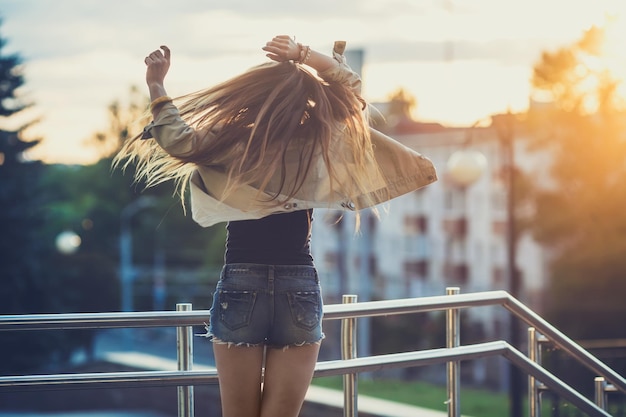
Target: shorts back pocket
235,307
306,308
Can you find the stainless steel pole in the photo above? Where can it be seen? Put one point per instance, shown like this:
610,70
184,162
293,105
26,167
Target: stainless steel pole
184,344
534,354
600,392
348,351
453,339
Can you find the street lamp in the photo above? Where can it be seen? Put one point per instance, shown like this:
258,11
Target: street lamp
466,166
67,242
127,271
505,129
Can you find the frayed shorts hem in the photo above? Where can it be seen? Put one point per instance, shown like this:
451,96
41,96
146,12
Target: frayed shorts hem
219,341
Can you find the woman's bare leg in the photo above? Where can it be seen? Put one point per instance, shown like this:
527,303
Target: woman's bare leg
239,372
288,374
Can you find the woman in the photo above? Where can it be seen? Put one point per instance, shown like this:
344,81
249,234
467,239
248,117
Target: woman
260,151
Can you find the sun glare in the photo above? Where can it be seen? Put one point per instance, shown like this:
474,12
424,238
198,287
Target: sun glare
613,52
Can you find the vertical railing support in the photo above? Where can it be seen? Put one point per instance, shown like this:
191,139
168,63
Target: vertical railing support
184,344
348,351
453,339
600,392
534,354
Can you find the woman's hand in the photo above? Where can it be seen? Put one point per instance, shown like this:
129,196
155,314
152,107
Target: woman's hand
282,48
158,63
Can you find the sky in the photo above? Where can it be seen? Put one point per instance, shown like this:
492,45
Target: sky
462,60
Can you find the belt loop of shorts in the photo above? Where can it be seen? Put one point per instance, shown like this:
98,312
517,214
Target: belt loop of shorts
271,273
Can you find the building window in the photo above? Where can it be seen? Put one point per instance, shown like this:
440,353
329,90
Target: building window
414,225
416,268
372,264
331,260
455,228
456,273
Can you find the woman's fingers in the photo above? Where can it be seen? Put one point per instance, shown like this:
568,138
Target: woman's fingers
158,56
280,48
167,51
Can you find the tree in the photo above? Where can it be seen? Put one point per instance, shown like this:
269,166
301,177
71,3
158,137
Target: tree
186,242
99,194
580,216
401,104
23,286
39,201
395,117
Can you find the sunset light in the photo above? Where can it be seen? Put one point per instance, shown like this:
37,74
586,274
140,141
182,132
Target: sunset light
454,170
462,61
614,50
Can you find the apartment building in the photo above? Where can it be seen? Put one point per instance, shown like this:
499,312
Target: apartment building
447,234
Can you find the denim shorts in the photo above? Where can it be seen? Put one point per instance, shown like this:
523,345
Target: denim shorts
272,305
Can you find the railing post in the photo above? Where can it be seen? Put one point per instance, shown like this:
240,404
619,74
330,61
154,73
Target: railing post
184,345
348,351
600,392
534,354
453,339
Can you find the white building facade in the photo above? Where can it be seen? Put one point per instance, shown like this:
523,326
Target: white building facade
440,236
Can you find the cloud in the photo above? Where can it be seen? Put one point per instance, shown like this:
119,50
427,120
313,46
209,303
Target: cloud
80,55
508,52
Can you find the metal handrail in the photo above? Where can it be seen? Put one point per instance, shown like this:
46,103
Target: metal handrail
322,369
332,312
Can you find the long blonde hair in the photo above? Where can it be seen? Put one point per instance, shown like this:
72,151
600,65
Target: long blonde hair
251,120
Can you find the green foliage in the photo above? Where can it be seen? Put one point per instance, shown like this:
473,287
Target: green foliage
474,402
23,286
37,202
11,78
581,216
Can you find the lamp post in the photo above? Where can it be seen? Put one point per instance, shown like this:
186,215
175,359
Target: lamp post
127,272
504,125
464,168
67,242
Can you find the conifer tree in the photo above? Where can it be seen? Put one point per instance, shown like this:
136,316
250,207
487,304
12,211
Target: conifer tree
22,284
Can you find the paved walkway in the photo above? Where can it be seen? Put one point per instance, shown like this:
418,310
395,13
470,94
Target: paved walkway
370,405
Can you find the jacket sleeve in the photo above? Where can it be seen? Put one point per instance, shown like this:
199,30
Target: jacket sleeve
173,134
342,73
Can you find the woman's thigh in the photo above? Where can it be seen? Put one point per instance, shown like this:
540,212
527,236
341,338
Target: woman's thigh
239,370
288,373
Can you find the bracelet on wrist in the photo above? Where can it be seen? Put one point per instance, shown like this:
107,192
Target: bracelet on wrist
307,55
304,54
158,101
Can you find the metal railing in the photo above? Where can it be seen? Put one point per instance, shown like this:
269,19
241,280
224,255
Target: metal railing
349,365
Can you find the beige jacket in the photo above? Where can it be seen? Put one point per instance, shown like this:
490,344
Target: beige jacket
404,170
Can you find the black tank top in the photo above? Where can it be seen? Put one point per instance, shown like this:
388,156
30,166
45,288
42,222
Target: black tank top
279,239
